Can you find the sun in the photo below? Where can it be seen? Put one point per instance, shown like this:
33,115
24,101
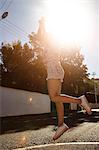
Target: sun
67,20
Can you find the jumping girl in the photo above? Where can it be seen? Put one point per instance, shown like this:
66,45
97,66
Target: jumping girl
55,76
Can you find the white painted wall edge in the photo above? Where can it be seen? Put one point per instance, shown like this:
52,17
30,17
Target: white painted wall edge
15,102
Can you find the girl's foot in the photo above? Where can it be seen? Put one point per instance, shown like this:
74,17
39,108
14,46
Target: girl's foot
85,105
60,131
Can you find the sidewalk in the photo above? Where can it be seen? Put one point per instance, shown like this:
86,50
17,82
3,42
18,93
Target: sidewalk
83,128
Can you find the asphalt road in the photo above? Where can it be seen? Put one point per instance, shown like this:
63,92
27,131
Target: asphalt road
83,128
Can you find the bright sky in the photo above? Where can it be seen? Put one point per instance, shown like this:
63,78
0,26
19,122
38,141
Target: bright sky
74,21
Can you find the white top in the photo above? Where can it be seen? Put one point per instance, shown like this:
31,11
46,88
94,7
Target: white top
50,55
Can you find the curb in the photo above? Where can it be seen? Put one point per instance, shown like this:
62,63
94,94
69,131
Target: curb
65,146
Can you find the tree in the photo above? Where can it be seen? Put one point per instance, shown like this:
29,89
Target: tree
71,59
75,71
20,68
23,66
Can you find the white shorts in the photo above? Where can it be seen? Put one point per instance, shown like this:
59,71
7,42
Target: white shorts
55,71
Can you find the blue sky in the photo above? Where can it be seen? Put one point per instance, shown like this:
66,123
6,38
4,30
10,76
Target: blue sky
23,19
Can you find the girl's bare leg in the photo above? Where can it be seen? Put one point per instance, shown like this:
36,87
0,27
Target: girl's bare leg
56,88
60,113
53,88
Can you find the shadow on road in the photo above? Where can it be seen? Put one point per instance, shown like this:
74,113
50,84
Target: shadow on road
35,122
77,118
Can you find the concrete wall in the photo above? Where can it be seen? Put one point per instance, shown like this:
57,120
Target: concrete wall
14,102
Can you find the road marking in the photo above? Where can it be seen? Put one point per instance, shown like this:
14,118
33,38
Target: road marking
58,144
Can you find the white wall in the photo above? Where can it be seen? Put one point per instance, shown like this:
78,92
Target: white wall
14,102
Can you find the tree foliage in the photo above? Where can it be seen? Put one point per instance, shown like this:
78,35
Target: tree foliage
72,62
23,67
75,71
